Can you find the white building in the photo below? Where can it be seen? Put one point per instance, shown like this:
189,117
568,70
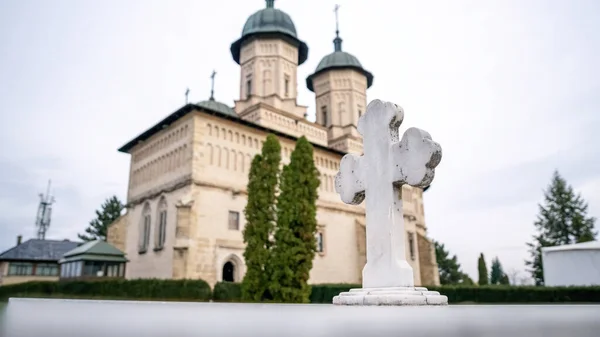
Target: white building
572,265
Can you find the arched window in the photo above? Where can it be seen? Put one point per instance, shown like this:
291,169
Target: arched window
162,224
144,237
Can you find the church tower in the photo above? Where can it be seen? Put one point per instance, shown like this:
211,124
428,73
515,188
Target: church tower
269,53
340,85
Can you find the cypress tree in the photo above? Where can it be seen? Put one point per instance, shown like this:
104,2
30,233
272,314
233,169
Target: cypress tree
496,273
562,220
483,271
260,219
295,236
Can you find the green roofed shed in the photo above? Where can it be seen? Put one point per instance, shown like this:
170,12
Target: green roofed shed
92,260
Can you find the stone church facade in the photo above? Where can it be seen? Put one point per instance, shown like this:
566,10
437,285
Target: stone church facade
188,173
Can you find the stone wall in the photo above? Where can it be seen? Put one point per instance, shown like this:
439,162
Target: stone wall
429,269
116,234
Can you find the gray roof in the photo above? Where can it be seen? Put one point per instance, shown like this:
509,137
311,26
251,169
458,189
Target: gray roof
339,60
270,21
39,250
216,106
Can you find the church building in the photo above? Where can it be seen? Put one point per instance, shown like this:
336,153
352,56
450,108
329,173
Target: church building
188,173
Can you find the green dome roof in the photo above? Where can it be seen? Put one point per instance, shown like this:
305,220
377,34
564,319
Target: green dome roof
219,107
339,60
270,22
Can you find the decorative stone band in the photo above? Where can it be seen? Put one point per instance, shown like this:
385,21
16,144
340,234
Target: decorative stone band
391,296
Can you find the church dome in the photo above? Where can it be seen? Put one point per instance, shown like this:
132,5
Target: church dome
270,22
339,60
219,107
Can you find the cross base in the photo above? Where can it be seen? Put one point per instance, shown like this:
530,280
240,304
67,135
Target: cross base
391,296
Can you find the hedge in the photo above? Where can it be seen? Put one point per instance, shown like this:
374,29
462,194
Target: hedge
324,293
198,290
227,292
142,289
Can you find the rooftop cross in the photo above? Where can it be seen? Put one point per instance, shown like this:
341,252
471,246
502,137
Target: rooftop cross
212,85
337,42
377,178
187,92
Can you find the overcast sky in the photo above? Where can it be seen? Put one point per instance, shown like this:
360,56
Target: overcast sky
509,88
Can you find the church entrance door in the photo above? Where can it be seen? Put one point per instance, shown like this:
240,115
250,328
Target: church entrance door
228,272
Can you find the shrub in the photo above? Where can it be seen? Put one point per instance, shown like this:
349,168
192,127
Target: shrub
146,289
227,292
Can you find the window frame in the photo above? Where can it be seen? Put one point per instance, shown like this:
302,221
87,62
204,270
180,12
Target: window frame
236,221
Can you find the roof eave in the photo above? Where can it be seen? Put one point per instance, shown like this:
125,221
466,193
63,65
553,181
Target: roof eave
236,47
368,75
157,127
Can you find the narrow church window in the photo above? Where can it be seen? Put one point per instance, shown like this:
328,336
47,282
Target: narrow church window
145,230
411,245
248,87
234,220
324,114
162,224
320,242
359,113
287,85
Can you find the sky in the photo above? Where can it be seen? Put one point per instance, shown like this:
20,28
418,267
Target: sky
509,88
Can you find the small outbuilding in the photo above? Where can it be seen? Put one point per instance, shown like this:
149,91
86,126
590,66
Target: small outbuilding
94,259
572,265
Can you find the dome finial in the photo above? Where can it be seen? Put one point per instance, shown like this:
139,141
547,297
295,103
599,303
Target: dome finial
212,86
337,42
270,3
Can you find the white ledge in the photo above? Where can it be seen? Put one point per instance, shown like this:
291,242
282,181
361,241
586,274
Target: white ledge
394,296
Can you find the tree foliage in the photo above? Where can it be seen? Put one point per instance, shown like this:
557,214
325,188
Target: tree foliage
449,268
260,215
497,275
483,271
295,236
562,220
97,229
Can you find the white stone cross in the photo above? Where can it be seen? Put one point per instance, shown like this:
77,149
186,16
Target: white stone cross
377,177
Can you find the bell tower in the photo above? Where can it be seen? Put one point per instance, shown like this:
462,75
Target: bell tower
340,85
269,53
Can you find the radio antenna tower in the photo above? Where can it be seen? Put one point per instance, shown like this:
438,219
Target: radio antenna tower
44,214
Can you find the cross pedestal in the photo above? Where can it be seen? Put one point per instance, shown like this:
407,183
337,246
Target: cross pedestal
377,177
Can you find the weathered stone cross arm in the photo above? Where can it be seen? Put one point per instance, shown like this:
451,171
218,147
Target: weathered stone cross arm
414,158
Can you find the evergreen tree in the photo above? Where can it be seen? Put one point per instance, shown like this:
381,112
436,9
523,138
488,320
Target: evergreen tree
497,273
449,267
110,211
295,236
260,219
483,271
466,280
562,220
504,280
